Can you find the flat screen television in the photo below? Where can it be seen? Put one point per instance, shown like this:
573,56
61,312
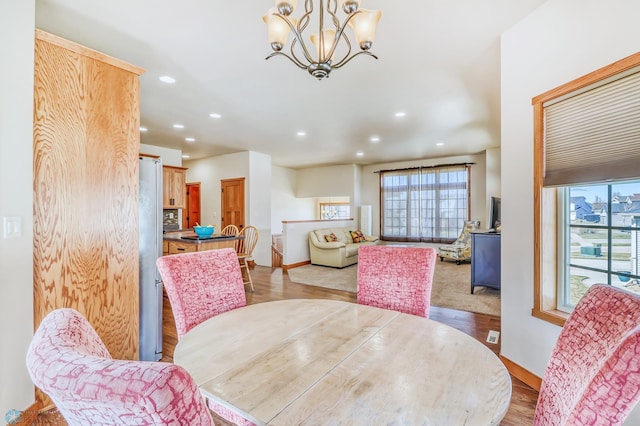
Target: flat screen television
494,213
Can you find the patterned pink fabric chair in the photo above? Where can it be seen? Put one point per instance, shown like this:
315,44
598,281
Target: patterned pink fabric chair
593,377
68,361
397,278
201,285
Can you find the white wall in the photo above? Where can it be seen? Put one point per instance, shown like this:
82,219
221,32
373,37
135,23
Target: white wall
371,185
328,181
256,169
559,42
17,25
170,157
284,203
209,172
259,206
493,182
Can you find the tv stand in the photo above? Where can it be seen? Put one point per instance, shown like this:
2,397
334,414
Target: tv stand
485,260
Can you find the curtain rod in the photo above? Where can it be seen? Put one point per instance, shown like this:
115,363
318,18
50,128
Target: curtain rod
426,167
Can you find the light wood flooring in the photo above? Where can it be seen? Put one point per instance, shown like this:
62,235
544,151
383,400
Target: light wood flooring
272,284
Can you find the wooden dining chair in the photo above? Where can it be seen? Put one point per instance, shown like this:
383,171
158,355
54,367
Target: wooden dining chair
593,376
247,245
396,277
230,230
69,362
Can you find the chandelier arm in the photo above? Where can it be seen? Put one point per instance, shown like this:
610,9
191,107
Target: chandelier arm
293,55
295,61
322,55
297,34
340,34
362,52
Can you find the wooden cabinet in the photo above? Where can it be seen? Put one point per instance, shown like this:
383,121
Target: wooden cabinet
173,187
485,260
85,161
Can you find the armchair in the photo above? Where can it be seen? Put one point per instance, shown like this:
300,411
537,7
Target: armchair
460,250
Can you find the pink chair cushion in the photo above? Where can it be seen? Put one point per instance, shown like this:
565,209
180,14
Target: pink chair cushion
201,285
593,376
68,361
397,278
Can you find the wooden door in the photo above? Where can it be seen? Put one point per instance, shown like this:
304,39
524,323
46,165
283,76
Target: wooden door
191,212
232,202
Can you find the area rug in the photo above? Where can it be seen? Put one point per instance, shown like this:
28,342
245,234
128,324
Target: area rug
451,285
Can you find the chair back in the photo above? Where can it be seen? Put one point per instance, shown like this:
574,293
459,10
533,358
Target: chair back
201,285
396,277
465,234
69,362
230,230
248,243
593,376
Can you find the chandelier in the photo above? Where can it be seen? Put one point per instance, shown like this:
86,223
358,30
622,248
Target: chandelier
329,42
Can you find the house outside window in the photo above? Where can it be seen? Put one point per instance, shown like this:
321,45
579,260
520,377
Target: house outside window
599,239
427,204
586,180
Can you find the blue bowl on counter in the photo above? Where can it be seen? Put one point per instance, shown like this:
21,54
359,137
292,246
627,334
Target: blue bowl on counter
204,231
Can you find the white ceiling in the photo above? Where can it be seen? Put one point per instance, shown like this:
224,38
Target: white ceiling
439,61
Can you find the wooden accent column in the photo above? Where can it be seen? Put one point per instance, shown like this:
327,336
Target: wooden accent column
86,144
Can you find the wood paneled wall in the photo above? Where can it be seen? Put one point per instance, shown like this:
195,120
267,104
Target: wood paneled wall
86,144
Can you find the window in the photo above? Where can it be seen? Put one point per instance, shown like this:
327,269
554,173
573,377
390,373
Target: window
586,174
600,239
329,211
424,204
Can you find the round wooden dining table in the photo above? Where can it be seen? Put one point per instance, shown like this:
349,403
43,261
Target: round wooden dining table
319,361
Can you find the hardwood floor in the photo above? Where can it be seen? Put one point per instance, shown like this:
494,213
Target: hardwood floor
272,284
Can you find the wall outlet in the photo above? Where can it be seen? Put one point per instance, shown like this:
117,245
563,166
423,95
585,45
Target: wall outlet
493,337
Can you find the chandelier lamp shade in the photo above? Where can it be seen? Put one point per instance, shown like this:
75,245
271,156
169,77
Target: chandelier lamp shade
331,40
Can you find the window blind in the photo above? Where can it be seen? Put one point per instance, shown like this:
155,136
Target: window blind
593,135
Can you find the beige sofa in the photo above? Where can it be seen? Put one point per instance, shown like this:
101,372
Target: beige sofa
340,253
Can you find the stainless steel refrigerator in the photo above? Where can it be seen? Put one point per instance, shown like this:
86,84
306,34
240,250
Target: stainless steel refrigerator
150,248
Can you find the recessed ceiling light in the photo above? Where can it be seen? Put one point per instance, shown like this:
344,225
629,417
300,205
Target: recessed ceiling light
215,115
178,126
360,154
143,129
400,114
190,139
440,144
375,139
167,79
301,134
185,156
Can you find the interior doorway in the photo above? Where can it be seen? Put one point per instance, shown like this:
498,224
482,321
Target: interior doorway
191,212
232,202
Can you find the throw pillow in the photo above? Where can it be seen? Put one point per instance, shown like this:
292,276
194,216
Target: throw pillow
357,236
331,238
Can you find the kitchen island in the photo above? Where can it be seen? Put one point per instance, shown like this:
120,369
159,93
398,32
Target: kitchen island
188,242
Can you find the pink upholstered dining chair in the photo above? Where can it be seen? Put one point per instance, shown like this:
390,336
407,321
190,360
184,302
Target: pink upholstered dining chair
201,285
396,277
593,376
69,362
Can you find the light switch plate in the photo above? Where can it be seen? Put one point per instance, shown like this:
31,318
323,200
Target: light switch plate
11,226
